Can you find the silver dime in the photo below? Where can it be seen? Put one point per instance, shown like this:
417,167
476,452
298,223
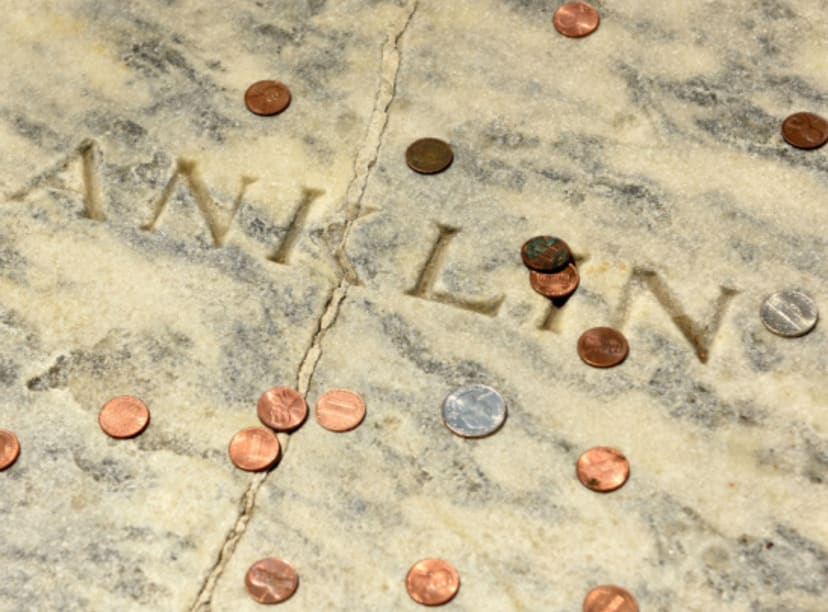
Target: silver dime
789,313
474,411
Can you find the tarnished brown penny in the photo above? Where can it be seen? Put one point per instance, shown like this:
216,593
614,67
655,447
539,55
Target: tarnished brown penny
555,284
602,347
805,130
340,410
254,449
432,582
429,155
124,417
609,598
545,254
271,581
602,469
282,409
576,19
9,449
267,97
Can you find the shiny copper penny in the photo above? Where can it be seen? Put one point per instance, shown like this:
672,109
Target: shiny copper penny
282,409
9,449
432,582
603,347
429,155
124,417
545,254
805,130
271,581
340,410
267,97
602,469
576,19
555,284
609,598
254,449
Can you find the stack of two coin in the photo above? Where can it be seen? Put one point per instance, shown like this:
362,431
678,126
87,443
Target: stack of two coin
552,271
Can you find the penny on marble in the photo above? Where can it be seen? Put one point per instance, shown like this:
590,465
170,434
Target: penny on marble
340,410
602,347
789,313
124,417
429,155
9,449
282,409
254,449
267,98
576,19
555,284
602,469
432,582
805,130
271,581
609,598
474,411
545,254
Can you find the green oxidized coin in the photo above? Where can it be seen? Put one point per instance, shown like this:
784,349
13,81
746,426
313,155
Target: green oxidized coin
545,253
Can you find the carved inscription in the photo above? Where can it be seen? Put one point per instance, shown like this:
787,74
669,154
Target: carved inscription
201,194
297,224
428,275
700,336
90,156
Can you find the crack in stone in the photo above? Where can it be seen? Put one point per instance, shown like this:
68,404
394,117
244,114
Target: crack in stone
365,162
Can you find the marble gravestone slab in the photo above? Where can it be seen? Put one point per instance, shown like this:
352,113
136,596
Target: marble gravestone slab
159,240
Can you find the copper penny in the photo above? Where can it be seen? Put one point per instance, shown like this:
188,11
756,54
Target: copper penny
576,19
340,410
9,449
254,449
429,155
432,582
805,130
603,347
545,254
602,469
271,581
267,97
555,284
282,409
124,417
609,598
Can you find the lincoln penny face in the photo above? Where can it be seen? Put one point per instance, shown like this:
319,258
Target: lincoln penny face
603,469
602,347
576,19
429,155
267,97
432,582
271,581
545,254
805,130
124,417
282,409
609,598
